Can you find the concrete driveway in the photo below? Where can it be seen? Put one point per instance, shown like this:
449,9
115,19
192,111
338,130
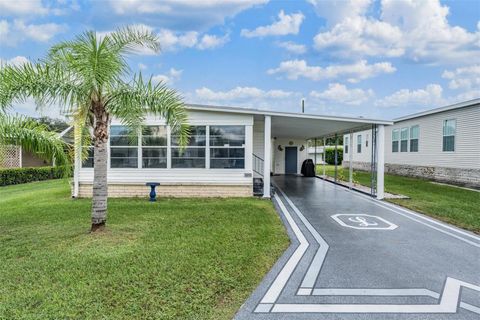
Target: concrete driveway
353,257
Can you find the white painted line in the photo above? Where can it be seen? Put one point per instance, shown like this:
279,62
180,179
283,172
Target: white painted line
317,262
448,304
374,292
304,292
282,278
264,307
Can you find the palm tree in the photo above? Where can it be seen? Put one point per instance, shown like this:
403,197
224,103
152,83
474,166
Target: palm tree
34,137
86,76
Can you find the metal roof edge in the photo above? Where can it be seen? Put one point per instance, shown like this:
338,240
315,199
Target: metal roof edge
459,105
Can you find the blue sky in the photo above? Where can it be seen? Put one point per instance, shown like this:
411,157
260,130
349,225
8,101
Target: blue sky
380,59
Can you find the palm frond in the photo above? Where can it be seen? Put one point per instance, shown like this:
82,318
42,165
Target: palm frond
35,138
131,102
132,38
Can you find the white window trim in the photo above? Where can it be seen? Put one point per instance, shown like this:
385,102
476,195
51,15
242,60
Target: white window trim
401,139
418,138
454,134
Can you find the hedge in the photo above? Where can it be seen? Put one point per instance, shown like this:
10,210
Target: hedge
330,155
24,175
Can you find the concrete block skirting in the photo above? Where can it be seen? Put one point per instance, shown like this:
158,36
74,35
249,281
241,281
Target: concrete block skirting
171,190
457,176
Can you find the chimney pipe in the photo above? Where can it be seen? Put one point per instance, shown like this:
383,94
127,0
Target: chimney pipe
303,105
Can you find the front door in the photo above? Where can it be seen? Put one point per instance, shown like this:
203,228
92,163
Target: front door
290,160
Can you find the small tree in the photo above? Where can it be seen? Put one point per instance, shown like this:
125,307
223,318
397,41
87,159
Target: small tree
86,77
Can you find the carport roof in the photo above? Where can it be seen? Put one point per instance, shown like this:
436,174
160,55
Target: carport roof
300,125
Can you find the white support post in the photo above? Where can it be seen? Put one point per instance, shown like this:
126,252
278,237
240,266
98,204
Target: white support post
323,156
380,161
77,164
350,160
267,161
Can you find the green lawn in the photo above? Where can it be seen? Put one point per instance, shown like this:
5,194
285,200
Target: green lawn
450,204
174,259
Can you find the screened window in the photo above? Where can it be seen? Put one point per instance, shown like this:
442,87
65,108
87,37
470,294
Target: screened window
414,131
449,128
359,143
193,156
395,138
154,147
404,140
123,148
346,144
227,147
366,141
88,162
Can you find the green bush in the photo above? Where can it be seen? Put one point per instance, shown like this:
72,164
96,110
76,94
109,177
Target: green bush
330,155
24,175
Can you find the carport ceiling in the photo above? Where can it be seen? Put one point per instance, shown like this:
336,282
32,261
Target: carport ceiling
305,128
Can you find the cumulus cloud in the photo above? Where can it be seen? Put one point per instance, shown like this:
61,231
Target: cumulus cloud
430,96
182,15
13,33
464,78
336,11
240,93
172,76
31,7
210,41
286,24
15,61
339,93
294,69
418,30
292,47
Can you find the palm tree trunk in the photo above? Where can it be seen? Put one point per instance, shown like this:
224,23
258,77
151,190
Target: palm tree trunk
100,183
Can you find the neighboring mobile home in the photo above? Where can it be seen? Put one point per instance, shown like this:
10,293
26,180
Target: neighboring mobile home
225,154
441,144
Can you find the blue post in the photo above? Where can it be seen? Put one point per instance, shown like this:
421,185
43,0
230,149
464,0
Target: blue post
153,194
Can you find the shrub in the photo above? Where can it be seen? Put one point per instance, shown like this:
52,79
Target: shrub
330,155
24,175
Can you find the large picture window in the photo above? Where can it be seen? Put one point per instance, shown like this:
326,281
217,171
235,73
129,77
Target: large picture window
123,148
227,147
404,140
414,131
449,128
395,139
193,156
154,147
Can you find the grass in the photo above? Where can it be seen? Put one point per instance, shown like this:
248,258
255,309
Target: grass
447,203
174,259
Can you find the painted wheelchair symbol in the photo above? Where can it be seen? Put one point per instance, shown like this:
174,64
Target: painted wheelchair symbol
363,222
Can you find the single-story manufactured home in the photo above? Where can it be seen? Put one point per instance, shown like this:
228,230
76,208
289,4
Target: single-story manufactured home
441,144
229,149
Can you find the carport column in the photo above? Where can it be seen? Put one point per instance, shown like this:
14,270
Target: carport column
350,160
380,160
267,161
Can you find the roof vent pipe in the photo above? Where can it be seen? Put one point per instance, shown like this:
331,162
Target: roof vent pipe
303,105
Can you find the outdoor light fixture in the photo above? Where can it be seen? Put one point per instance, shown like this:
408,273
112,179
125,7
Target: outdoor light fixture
280,148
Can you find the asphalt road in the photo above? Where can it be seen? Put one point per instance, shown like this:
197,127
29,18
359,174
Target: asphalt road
353,257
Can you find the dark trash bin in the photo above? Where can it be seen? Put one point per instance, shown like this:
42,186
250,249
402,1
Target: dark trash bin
308,168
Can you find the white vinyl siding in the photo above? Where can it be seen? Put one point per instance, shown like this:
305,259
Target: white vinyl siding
449,128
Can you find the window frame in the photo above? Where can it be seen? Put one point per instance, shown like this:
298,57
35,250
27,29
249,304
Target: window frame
451,135
166,147
346,144
136,147
404,129
417,138
226,146
205,147
359,143
397,140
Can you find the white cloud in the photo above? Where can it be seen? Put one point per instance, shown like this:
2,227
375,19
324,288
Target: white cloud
241,93
416,29
294,69
430,96
286,24
184,14
30,7
293,47
170,78
142,66
336,11
339,93
15,61
464,78
18,31
210,41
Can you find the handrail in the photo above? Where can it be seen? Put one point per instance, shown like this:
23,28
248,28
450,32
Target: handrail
257,164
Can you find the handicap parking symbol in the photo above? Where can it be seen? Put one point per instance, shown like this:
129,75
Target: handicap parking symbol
363,222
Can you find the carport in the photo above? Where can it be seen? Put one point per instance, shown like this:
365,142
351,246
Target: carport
318,128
